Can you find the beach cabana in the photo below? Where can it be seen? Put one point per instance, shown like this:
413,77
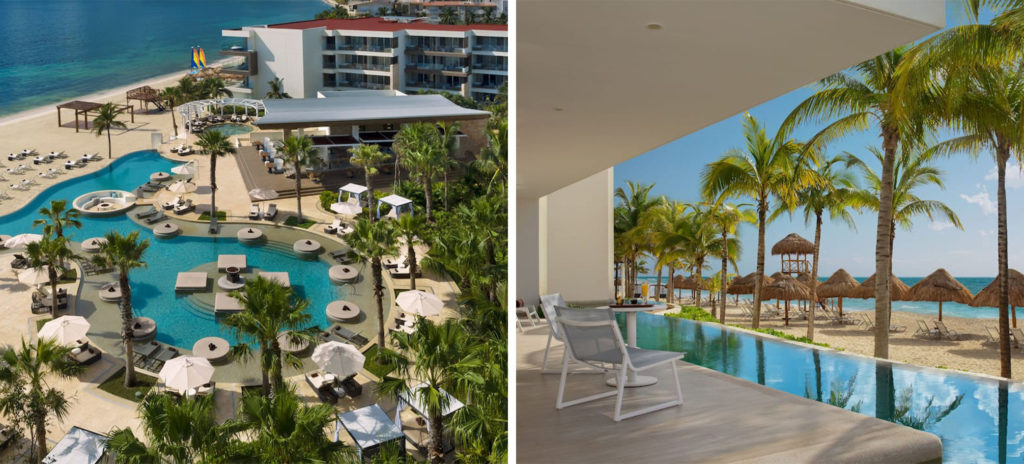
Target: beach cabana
795,252
745,285
82,108
399,205
897,289
840,285
785,288
940,286
989,296
355,193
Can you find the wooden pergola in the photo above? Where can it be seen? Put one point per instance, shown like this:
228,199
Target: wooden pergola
146,95
79,107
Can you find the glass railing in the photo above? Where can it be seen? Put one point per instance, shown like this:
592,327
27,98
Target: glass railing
369,66
490,67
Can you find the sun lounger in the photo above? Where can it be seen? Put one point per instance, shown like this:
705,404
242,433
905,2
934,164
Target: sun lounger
349,335
944,332
150,187
991,335
924,331
324,389
47,175
1018,336
155,218
254,212
333,227
173,203
271,212
85,356
21,187
92,157
184,208
146,213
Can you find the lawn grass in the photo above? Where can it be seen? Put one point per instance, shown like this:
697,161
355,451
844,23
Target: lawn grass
115,385
372,366
294,222
780,334
252,389
693,313
70,276
221,215
40,322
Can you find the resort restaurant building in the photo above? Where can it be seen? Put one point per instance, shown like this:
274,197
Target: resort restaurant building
403,54
343,120
577,120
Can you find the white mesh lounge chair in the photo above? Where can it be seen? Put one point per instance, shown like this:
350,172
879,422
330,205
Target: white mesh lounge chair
592,337
530,312
547,304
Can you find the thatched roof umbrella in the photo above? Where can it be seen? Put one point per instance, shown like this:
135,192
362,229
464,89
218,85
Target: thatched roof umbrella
897,289
690,283
940,286
785,288
840,285
989,296
745,285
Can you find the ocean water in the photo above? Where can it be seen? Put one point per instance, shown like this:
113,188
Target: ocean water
974,284
55,50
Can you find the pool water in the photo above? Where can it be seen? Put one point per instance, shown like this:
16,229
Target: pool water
231,129
979,419
180,320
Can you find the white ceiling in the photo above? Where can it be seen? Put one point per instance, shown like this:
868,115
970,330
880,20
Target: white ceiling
596,86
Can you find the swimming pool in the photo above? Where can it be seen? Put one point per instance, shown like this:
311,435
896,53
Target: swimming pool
984,419
231,129
182,319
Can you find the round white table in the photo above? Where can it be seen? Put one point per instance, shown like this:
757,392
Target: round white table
632,379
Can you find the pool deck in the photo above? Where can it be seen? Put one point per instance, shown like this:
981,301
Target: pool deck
722,419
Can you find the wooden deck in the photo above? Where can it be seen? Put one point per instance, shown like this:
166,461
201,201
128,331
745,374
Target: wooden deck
255,175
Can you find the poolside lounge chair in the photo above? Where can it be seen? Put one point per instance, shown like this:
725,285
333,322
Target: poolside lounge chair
333,227
92,157
47,175
945,332
160,216
254,212
349,335
324,390
271,212
924,331
340,256
184,207
86,355
22,187
592,337
1018,336
548,304
531,315
146,213
173,203
150,187
19,262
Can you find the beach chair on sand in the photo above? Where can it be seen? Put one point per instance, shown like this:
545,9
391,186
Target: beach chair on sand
944,332
924,331
991,335
1018,336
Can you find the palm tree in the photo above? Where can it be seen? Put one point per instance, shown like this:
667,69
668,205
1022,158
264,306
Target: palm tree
215,144
834,192
494,156
190,89
442,363
50,253
420,147
283,429
369,157
629,219
26,396
448,144
56,217
106,120
873,92
727,217
270,309
276,89
409,228
299,152
763,172
177,431
214,87
124,253
373,241
448,15
173,96
660,226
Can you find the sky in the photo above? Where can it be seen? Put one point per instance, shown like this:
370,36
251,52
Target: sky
970,190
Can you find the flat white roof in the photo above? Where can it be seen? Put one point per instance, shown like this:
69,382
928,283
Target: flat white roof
395,200
374,107
79,446
354,188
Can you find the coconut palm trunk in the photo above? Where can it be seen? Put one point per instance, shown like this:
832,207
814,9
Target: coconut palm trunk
298,191
725,275
671,286
762,208
411,251
370,199
700,282
213,191
51,272
174,121
1003,155
428,185
657,287
378,294
110,150
436,440
883,249
814,275
127,332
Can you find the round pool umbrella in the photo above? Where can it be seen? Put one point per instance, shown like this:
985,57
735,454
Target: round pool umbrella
182,187
940,286
184,169
840,285
21,240
186,372
897,289
260,194
347,209
33,276
66,330
340,359
420,303
785,288
989,296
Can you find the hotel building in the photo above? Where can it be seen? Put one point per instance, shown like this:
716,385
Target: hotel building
370,53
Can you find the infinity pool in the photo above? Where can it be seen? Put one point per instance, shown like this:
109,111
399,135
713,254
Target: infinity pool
979,419
182,319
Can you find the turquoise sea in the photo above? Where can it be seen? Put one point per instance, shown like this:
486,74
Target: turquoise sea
54,50
974,284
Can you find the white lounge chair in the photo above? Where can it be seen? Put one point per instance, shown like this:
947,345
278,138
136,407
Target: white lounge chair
56,171
254,212
28,181
19,187
172,204
333,228
530,311
592,337
47,175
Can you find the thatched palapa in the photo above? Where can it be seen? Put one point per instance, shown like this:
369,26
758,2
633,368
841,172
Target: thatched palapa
690,283
745,285
839,285
940,286
989,296
897,289
785,288
793,244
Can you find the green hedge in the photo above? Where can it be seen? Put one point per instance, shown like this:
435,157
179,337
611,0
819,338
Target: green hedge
221,215
294,222
693,313
328,198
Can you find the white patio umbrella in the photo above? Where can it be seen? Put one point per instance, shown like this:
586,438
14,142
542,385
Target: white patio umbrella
420,303
182,187
186,169
22,240
340,359
33,276
346,208
66,330
186,372
260,194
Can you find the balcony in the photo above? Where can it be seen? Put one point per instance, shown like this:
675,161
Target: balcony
364,47
364,66
435,86
363,85
241,70
490,67
490,47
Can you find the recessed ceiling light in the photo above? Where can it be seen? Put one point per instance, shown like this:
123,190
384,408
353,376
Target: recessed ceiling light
654,26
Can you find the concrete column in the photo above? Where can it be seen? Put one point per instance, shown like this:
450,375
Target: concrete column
576,240
527,250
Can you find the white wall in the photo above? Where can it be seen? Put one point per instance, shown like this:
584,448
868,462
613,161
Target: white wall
280,54
527,250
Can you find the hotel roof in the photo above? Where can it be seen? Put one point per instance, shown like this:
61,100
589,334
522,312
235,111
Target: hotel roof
307,112
381,24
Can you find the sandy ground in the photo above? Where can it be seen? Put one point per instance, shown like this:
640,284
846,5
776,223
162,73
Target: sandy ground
972,353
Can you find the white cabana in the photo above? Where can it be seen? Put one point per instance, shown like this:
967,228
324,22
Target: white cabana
399,205
78,446
355,193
